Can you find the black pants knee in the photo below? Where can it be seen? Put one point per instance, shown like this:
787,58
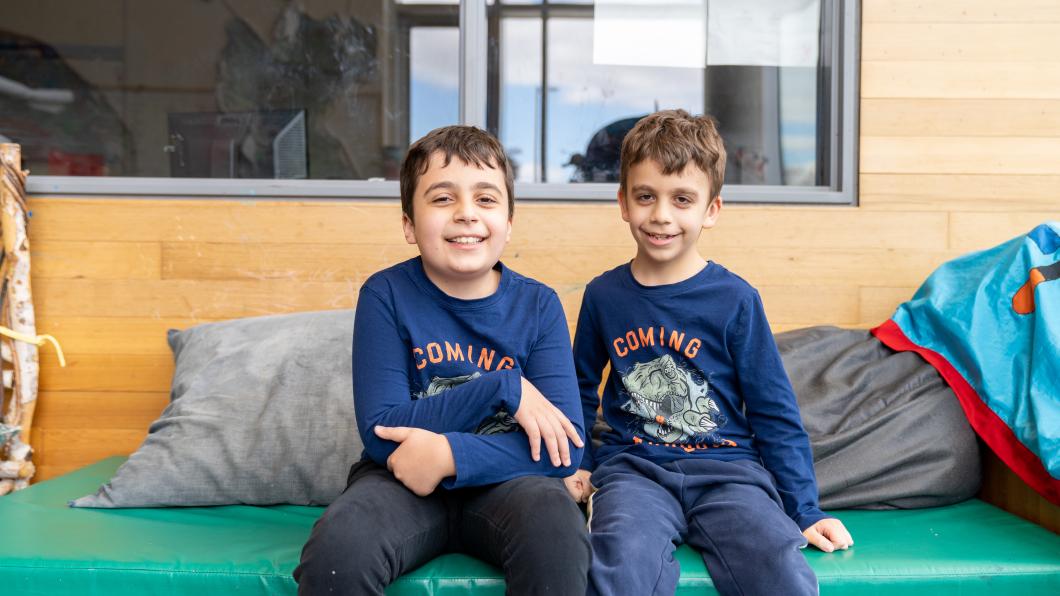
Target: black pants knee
378,530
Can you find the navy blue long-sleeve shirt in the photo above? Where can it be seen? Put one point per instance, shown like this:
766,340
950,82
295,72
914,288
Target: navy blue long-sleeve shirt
695,372
424,359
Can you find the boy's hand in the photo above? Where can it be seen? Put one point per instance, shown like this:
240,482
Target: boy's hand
543,421
578,485
828,535
421,461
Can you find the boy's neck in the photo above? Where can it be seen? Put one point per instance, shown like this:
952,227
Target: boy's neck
480,286
649,272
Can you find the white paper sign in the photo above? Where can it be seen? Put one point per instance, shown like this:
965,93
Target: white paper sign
694,33
650,32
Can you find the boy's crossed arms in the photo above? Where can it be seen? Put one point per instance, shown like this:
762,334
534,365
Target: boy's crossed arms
423,458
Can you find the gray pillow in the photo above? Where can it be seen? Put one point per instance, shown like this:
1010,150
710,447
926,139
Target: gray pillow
886,430
261,413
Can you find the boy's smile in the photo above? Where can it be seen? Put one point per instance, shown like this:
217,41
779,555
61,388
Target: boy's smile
460,224
666,214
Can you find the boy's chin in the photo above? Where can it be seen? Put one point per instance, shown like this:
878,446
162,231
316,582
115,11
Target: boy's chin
463,272
664,256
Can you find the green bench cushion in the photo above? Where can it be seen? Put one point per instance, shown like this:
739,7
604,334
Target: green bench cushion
49,549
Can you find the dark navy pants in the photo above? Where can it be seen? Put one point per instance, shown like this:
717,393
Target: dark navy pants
377,530
729,511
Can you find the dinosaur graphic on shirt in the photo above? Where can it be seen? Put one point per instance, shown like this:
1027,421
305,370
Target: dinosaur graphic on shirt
671,404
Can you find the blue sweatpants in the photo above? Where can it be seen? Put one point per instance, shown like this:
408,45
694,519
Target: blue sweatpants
729,511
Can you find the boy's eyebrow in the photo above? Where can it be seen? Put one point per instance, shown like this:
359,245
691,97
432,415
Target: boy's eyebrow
443,184
676,191
450,186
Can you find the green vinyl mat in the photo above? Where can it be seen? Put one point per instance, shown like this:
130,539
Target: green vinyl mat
50,549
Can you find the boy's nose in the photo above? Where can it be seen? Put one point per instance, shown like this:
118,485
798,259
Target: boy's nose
660,213
465,211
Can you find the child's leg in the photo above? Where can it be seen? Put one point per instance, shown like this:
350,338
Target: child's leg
375,531
532,529
635,526
749,544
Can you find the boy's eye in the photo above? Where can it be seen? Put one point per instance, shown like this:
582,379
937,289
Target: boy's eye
683,200
441,199
644,198
487,199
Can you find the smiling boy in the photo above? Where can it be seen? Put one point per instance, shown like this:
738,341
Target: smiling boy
707,446
461,370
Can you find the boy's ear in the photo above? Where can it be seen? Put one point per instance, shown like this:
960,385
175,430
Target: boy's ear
622,205
713,211
409,229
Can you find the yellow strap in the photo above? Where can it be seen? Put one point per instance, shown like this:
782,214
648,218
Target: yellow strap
38,341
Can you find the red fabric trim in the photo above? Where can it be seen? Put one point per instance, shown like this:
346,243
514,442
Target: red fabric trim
994,432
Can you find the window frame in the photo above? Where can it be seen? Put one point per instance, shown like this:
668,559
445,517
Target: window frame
844,57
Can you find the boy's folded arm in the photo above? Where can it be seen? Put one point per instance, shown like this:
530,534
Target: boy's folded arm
549,366
382,395
489,459
590,357
773,415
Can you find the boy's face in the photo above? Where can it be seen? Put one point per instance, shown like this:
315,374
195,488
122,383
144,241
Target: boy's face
460,222
666,213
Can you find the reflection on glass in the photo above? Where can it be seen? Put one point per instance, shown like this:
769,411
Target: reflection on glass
310,89
435,72
520,91
591,107
566,120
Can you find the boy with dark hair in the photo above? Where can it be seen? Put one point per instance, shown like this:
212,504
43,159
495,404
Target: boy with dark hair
706,445
461,369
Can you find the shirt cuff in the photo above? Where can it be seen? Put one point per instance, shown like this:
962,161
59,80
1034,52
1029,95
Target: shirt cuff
456,445
809,518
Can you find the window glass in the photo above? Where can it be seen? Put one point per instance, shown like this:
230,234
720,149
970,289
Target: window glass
320,89
570,80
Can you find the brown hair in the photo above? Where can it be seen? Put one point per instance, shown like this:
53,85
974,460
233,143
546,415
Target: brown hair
673,138
471,145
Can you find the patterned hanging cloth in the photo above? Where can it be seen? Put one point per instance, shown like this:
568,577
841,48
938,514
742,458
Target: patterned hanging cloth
989,322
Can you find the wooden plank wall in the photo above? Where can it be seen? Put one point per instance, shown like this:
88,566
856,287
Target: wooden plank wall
960,150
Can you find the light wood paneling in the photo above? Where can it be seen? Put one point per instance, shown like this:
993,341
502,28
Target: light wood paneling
876,304
974,231
74,410
171,220
960,118
960,155
960,11
960,42
948,193
97,260
106,372
961,80
72,448
113,335
193,299
310,262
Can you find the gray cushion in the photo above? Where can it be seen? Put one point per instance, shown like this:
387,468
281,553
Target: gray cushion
261,413
885,428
